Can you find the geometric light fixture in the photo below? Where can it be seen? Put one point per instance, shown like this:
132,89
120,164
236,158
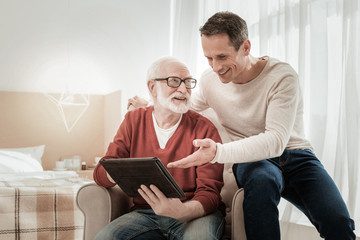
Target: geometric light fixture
71,107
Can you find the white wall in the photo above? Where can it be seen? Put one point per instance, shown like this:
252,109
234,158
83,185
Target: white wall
91,46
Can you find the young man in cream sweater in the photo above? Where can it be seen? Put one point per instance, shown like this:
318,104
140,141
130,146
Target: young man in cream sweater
259,103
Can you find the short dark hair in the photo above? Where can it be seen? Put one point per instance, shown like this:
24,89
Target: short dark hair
227,22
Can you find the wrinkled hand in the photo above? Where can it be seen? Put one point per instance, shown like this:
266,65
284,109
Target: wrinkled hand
136,102
205,154
163,206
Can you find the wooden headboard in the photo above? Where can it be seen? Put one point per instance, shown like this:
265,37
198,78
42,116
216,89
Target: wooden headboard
31,119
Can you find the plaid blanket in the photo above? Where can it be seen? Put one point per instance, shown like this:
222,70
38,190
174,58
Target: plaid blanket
40,209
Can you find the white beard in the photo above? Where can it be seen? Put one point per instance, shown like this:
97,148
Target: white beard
166,102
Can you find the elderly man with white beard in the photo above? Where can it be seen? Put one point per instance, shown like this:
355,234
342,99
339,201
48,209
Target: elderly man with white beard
166,130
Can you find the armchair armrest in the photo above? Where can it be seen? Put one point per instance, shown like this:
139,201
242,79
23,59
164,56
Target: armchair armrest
100,206
237,221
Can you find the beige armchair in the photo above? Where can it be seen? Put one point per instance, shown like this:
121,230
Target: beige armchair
100,206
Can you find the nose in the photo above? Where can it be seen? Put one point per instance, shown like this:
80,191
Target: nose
182,88
215,65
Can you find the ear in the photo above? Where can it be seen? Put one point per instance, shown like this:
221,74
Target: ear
246,47
152,88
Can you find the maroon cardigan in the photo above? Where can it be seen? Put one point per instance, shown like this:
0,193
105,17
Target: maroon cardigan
136,137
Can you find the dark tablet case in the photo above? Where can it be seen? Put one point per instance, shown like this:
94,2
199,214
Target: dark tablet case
130,173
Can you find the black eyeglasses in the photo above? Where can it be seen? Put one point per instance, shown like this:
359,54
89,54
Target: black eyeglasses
175,82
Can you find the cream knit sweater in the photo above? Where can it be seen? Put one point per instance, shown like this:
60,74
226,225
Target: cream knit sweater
262,117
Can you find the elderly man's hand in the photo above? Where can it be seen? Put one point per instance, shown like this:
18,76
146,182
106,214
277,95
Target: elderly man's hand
163,206
205,154
136,102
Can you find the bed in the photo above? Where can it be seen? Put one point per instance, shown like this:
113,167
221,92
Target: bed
37,204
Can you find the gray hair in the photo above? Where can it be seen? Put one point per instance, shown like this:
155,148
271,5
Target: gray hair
154,70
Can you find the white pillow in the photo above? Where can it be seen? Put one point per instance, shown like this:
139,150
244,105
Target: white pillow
17,162
35,152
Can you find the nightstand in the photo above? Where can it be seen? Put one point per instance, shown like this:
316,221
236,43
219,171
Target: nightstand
87,174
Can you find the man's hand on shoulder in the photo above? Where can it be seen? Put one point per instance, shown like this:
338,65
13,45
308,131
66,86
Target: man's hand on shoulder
205,154
136,102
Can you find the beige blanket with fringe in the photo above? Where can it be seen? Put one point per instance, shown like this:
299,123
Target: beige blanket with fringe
41,209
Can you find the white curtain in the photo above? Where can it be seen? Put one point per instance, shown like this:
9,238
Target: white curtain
320,39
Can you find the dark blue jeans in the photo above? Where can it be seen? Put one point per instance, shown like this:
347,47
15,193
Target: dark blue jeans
299,177
145,224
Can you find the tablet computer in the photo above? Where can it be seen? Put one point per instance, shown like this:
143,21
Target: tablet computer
130,173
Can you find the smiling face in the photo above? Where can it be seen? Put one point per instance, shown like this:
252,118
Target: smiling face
176,100
228,63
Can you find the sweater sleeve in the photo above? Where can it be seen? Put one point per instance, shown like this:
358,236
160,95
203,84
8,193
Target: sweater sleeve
210,180
118,148
282,101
